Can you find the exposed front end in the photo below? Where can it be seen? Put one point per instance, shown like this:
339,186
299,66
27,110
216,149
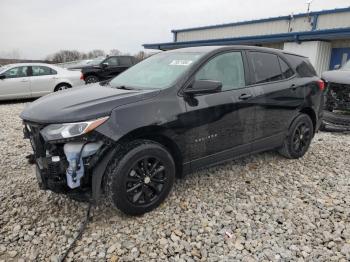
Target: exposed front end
66,155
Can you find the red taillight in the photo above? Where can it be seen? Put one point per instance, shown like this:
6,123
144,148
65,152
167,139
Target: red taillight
321,84
81,76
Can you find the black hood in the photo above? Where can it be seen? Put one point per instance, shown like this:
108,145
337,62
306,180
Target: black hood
82,103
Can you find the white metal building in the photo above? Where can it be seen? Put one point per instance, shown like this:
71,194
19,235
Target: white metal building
323,36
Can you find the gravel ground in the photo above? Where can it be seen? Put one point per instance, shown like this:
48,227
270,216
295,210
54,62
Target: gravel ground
260,208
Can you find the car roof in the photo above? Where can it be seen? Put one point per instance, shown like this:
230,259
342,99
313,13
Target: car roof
10,66
29,64
208,49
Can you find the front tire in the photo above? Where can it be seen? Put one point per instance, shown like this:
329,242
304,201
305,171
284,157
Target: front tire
139,177
299,137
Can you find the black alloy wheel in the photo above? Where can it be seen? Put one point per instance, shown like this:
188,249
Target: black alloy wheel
145,181
299,137
139,177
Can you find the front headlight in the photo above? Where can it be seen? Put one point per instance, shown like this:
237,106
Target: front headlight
67,130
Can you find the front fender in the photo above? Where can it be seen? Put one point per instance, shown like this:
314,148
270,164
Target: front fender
159,113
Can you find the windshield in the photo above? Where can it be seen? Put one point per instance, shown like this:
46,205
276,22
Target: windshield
156,72
3,68
96,61
346,66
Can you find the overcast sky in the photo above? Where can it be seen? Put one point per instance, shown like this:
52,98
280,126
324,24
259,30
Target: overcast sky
36,28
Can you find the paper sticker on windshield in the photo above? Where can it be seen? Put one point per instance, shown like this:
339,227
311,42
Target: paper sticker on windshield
181,62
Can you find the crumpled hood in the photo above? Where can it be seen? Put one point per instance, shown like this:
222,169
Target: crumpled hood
337,76
82,103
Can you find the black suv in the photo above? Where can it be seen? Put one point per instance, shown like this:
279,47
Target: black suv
107,69
170,114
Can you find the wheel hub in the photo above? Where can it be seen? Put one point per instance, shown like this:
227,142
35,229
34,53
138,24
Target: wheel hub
147,180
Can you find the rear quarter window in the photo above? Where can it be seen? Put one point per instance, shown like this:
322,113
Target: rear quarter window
125,61
286,70
302,65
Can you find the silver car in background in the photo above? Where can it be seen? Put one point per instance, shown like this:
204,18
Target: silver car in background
30,80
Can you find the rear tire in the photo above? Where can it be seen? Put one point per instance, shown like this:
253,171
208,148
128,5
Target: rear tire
91,79
139,177
299,137
61,87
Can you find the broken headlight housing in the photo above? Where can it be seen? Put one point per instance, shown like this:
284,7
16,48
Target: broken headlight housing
68,130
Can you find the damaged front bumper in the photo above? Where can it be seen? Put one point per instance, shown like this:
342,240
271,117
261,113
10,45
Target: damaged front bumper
337,97
68,166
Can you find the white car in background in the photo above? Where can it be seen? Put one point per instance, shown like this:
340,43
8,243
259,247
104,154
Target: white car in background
30,80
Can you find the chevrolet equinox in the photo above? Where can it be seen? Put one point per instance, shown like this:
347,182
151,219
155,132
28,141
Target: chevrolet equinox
169,115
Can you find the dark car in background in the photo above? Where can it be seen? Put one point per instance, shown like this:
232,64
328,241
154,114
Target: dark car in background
337,106
107,68
169,115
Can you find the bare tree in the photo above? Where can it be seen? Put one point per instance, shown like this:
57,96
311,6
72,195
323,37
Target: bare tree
115,52
65,56
142,55
96,53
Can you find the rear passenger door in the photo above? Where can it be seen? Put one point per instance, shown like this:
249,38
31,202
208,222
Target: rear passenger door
43,80
278,96
220,126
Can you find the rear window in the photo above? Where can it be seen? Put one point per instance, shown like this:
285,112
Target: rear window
125,61
42,71
302,65
266,67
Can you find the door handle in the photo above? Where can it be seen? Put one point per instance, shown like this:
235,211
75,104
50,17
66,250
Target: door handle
245,96
24,80
293,87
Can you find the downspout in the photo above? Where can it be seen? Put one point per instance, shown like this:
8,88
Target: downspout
314,22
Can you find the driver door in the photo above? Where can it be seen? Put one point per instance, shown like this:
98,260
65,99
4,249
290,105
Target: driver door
16,83
221,125
112,68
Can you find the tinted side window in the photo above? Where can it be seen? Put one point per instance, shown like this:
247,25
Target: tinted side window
227,68
21,71
113,61
125,61
286,70
266,67
42,71
302,65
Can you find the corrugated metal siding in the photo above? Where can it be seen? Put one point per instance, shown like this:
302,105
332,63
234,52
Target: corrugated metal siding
267,28
323,57
299,24
318,52
329,21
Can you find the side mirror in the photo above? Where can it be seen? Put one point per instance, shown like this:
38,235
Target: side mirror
104,65
204,87
336,67
2,77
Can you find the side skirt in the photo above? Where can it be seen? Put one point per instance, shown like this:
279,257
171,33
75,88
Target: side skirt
258,146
